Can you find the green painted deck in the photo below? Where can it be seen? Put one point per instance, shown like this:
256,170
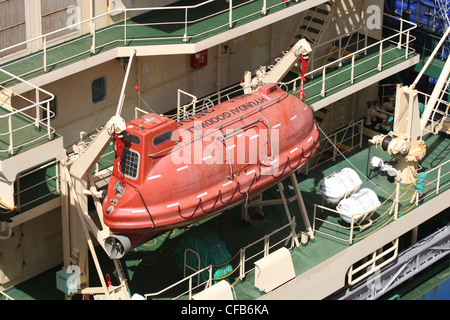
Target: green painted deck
26,135
152,267
435,68
366,66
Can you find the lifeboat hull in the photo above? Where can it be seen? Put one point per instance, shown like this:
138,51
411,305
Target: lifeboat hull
214,160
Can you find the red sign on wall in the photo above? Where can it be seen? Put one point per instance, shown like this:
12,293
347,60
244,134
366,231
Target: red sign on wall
199,60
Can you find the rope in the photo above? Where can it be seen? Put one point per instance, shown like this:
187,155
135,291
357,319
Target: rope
182,111
138,93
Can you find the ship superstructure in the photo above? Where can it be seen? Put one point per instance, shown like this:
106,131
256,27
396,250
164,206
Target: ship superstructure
73,73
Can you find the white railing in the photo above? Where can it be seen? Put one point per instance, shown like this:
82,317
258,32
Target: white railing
352,58
32,114
37,189
440,112
125,34
375,261
442,107
339,228
7,297
191,287
345,140
437,179
437,122
267,246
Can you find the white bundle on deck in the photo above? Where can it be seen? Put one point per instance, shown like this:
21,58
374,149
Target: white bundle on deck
339,185
358,205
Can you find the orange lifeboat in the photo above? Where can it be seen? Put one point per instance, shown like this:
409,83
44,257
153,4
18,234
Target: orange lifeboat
171,174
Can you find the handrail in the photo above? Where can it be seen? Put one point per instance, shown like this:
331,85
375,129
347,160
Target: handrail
37,105
93,33
7,297
351,227
354,142
243,259
351,57
437,181
38,195
266,247
423,98
376,262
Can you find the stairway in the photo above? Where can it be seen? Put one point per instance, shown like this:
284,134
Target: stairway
312,28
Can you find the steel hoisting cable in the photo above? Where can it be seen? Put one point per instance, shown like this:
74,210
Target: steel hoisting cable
255,179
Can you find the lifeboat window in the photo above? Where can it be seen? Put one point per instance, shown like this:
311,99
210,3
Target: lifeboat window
128,137
162,138
130,163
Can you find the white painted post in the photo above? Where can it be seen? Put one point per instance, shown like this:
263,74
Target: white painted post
185,37
93,35
380,62
45,53
323,82
231,14
400,35
353,69
10,147
48,121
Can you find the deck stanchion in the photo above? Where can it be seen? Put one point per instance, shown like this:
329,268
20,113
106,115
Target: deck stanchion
353,69
44,45
324,71
48,121
10,147
400,35
231,14
380,62
125,27
93,35
185,37
37,109
407,45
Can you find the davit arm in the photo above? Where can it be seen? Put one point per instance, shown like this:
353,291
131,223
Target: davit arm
301,49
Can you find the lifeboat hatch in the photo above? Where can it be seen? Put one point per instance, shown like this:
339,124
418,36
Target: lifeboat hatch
156,133
148,136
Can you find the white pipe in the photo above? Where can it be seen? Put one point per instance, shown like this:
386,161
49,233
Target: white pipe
435,95
425,67
122,93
